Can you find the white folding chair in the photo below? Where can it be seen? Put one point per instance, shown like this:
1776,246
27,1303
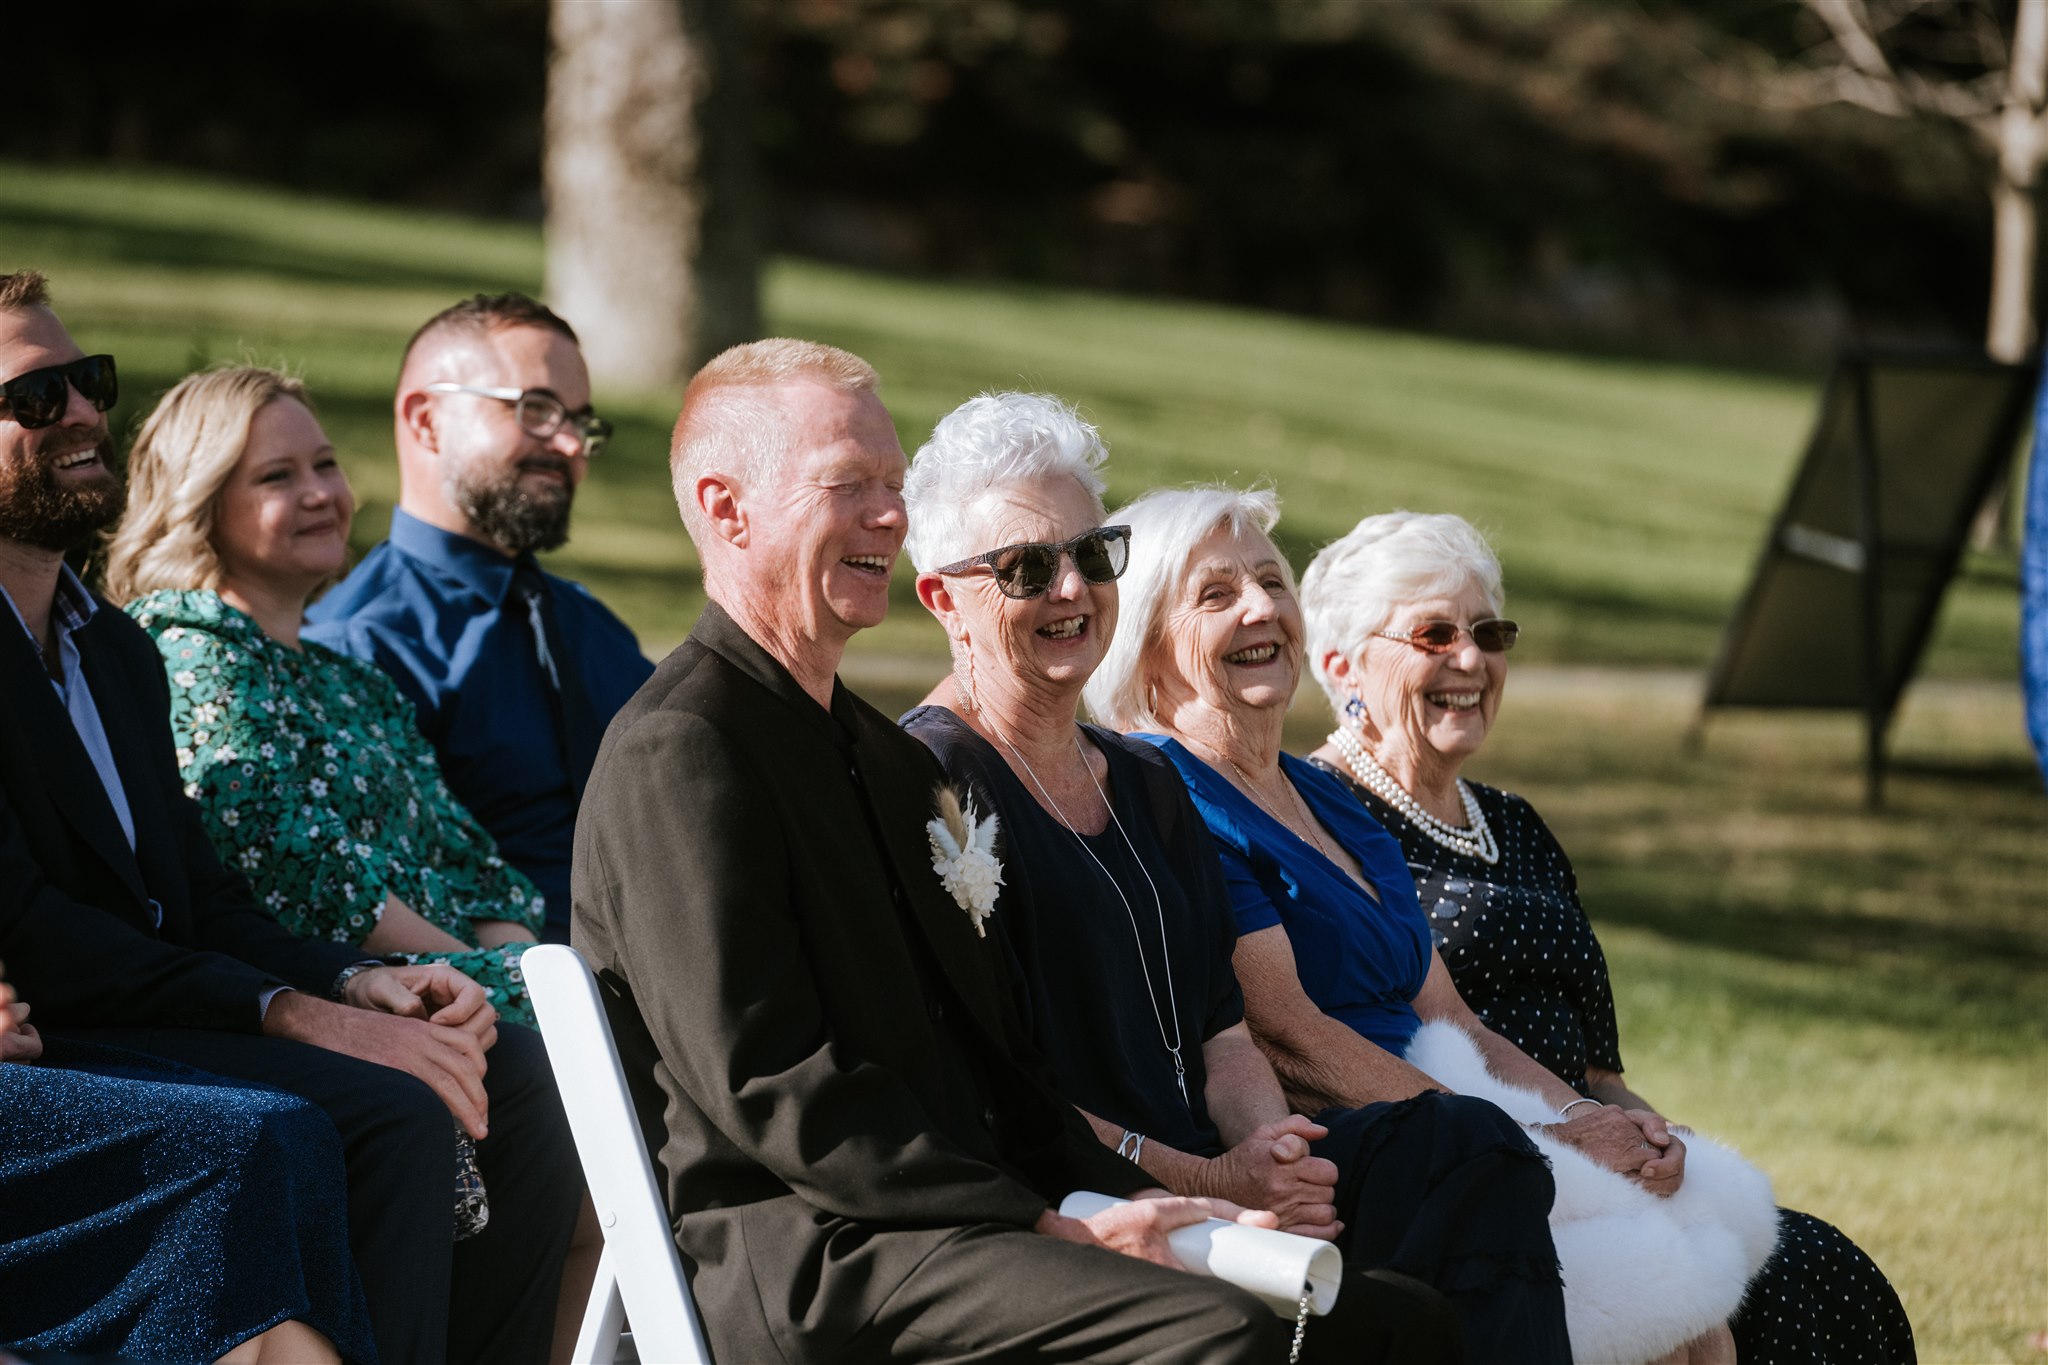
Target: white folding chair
640,1284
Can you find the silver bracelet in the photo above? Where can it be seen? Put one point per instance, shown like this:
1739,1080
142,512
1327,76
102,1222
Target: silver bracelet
1132,1146
1564,1114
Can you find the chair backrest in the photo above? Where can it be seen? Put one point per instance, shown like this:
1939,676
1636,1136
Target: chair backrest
641,1273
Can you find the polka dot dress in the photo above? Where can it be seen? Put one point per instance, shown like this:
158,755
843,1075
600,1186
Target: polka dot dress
1524,956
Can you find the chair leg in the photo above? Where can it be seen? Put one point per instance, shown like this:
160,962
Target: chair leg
604,1318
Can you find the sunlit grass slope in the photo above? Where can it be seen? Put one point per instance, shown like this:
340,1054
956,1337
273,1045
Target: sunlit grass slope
1628,499
1857,1000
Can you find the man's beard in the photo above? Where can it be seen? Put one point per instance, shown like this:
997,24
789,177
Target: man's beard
515,517
37,508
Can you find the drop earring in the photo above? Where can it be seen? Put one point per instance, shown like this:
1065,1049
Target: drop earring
1354,710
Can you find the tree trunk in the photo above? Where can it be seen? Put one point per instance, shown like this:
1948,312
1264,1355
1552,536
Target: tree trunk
2017,139
2011,328
2014,250
652,249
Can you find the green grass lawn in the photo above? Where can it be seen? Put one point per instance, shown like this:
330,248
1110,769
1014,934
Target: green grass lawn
1857,1000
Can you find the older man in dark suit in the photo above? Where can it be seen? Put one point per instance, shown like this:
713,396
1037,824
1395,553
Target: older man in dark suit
862,1152
118,919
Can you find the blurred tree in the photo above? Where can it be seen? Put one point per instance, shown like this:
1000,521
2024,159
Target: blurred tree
653,245
1982,65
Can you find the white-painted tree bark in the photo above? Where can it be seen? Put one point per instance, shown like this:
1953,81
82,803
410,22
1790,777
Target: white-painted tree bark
2018,135
2005,109
652,243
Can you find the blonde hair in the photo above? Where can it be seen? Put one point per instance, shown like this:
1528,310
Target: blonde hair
726,429
182,457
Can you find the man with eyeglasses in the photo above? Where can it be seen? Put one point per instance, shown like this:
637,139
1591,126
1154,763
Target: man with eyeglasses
119,921
515,672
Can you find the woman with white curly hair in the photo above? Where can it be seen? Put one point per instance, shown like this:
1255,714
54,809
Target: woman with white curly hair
1343,990
1404,627
1114,918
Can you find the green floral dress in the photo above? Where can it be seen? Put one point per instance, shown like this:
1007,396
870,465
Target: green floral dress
316,784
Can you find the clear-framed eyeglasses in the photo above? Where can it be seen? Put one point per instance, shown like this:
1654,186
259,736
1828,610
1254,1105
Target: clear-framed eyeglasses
541,414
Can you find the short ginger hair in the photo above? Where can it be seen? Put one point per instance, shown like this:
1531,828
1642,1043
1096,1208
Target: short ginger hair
726,428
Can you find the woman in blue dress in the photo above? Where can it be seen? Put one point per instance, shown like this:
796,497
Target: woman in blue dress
152,1212
1114,917
1339,973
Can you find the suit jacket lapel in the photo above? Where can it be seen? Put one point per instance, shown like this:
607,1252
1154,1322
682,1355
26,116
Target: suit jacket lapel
130,737
904,799
74,784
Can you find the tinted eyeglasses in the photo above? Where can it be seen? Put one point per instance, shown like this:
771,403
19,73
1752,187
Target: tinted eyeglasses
39,397
1028,569
540,414
1494,636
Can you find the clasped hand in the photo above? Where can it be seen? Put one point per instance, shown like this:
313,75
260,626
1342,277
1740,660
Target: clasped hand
1633,1142
1273,1170
429,1021
19,1041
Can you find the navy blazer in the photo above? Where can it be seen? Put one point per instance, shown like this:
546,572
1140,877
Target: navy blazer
77,931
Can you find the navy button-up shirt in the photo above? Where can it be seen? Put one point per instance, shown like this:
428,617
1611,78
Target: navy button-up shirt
431,609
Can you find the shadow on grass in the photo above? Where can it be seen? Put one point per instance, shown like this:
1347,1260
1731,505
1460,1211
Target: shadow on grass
2006,775
1833,938
158,246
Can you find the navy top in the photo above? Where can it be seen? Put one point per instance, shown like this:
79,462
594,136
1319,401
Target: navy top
429,608
1513,934
1361,961
1073,949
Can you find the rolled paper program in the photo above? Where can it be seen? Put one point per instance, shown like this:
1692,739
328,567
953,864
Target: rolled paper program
1271,1264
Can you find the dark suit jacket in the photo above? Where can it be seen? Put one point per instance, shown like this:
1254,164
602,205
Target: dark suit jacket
829,1043
76,931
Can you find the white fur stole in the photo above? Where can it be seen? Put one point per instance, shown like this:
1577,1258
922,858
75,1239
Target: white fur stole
1642,1274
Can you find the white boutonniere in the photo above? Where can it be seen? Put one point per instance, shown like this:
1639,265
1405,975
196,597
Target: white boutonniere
964,856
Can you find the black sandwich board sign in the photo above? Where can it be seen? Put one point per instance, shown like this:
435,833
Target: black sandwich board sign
1907,448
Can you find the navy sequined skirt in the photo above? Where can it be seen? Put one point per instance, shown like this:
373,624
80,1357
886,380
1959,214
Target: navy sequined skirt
155,1212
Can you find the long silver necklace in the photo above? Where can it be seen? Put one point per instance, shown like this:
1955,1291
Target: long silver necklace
1475,842
1180,1070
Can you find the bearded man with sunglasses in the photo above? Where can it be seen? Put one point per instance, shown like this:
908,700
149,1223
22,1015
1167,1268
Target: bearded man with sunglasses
117,916
515,672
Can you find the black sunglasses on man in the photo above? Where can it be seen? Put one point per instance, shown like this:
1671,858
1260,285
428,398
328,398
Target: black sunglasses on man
37,398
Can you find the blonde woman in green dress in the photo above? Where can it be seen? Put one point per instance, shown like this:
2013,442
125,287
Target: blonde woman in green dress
314,780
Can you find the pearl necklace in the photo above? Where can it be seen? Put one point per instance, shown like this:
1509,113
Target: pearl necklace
1475,842
1173,1047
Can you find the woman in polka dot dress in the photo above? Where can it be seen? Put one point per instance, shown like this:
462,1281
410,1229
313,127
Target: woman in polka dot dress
1405,636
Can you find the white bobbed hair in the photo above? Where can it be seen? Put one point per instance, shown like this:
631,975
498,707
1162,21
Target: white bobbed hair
981,447
1167,526
1356,583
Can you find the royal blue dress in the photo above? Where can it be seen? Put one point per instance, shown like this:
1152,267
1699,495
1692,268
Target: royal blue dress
153,1212
1362,962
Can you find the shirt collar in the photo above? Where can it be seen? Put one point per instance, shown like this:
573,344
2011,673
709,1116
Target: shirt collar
74,605
477,566
717,631
70,608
